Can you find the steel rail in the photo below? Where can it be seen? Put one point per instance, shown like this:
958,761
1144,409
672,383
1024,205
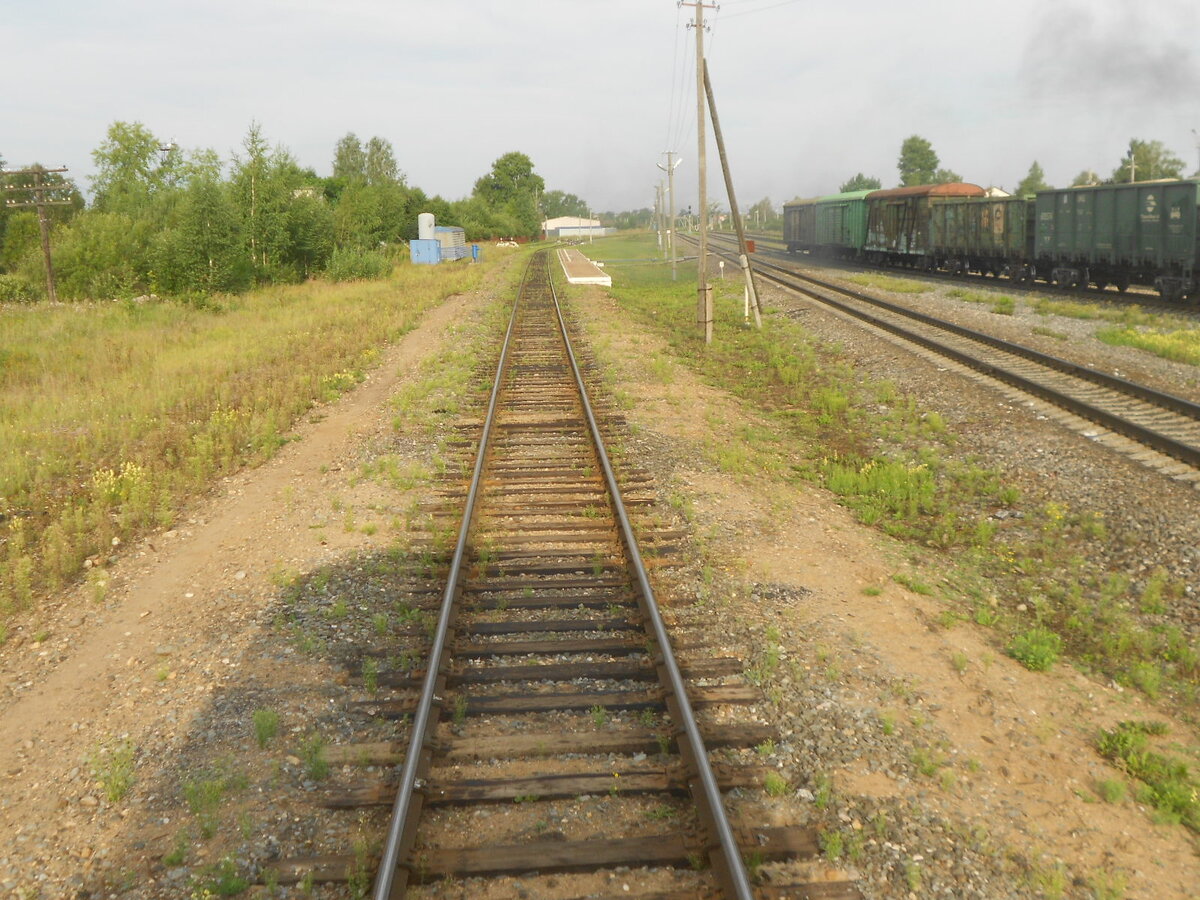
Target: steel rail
1187,453
1173,402
734,870
419,737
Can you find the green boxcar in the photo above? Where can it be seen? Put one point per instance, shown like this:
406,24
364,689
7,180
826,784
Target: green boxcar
1143,233
979,234
841,226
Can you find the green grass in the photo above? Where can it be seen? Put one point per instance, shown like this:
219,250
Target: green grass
1130,315
775,785
1166,782
832,844
1000,303
312,753
112,767
205,793
220,880
1037,649
1050,332
890,283
1182,345
266,726
1112,790
116,414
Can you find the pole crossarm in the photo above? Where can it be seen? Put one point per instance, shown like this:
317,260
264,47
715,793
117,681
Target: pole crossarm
38,171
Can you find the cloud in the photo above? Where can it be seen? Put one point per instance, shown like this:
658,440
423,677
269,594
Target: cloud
1124,51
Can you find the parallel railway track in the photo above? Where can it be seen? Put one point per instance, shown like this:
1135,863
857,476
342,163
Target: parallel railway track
557,746
1167,424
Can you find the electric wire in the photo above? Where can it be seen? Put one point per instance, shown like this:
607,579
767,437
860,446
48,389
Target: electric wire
675,86
682,114
750,12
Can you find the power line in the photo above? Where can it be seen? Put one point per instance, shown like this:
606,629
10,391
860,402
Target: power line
674,75
681,115
750,12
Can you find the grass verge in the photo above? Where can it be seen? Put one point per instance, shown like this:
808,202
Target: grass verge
116,414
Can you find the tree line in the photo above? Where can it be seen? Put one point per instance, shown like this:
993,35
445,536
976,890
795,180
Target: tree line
167,221
919,164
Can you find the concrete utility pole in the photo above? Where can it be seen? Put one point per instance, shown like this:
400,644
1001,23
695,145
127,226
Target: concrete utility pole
669,168
40,195
658,215
704,304
743,257
663,236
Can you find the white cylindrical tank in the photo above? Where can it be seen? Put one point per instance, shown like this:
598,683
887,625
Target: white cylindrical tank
425,226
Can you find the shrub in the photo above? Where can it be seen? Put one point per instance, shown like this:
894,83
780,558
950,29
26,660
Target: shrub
16,290
1037,649
349,264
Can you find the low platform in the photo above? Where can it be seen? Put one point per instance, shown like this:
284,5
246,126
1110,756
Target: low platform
581,270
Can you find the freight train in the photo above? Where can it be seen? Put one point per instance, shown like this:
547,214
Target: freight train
1104,235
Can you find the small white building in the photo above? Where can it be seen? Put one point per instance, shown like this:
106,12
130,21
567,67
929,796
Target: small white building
573,227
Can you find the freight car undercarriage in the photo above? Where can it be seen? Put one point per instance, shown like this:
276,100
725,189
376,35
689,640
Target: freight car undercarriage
1173,288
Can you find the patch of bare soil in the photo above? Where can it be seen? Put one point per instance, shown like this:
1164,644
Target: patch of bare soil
952,770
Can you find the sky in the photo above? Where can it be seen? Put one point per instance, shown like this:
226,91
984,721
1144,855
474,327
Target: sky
808,92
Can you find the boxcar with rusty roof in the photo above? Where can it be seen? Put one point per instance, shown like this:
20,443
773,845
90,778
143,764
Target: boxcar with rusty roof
898,222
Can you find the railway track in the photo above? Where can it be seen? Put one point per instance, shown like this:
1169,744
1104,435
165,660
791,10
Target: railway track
560,742
1167,424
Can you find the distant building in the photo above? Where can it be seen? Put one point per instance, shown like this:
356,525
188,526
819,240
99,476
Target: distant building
567,227
996,192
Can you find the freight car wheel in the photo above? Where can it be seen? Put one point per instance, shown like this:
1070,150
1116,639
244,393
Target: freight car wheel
1122,283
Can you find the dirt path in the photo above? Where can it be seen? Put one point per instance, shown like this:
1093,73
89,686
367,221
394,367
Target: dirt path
178,610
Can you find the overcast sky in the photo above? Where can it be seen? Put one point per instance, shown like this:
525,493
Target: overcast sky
809,92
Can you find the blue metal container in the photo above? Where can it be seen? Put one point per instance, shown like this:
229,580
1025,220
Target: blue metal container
425,252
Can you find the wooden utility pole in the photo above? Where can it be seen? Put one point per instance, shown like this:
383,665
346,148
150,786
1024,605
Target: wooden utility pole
743,257
39,195
704,304
669,168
